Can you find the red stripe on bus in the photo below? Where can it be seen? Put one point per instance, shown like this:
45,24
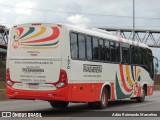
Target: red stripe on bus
150,90
112,91
77,92
139,91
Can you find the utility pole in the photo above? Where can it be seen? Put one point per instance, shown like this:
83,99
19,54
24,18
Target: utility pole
133,21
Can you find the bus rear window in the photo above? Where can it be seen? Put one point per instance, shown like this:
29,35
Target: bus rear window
74,46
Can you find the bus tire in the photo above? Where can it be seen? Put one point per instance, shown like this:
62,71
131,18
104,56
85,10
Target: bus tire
102,103
59,104
142,97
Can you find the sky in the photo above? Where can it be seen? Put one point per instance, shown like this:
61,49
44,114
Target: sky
84,13
93,13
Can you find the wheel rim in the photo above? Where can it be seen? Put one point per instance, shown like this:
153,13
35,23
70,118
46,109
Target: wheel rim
104,99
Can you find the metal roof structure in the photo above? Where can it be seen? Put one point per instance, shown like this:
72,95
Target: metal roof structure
3,36
151,37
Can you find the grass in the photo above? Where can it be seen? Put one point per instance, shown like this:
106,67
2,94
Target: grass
2,84
2,64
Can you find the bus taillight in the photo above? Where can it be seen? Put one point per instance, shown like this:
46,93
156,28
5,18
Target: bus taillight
63,79
8,80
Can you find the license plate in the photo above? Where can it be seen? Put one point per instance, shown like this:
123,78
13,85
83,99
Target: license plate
33,85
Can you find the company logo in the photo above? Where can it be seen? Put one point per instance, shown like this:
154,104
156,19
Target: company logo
15,44
92,68
6,114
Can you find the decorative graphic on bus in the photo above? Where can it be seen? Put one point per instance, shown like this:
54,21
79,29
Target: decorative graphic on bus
126,87
39,37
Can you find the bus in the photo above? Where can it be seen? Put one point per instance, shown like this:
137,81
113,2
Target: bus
62,63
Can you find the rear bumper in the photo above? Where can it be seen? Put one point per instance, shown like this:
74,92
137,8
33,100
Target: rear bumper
62,94
150,90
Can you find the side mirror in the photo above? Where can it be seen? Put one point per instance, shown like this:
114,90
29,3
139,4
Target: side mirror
156,61
157,65
152,57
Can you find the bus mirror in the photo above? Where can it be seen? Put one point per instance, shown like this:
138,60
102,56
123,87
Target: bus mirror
157,65
152,57
156,62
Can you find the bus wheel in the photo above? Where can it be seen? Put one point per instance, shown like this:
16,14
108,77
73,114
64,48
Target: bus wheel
142,97
59,104
102,103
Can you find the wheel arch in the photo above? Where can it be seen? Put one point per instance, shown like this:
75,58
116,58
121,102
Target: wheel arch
145,86
108,87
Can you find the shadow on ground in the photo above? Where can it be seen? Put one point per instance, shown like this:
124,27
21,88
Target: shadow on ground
83,110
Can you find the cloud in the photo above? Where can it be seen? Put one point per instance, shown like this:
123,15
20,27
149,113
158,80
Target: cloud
79,20
24,7
6,10
1,1
20,11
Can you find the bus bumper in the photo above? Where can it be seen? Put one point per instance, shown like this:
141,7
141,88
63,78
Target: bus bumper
62,94
150,90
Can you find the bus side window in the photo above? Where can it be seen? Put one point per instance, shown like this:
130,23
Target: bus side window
150,63
101,50
112,48
117,52
140,56
145,57
95,48
125,55
81,47
136,55
107,50
132,54
74,46
89,47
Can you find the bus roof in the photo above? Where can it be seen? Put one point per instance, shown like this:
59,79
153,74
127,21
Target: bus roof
104,34
93,32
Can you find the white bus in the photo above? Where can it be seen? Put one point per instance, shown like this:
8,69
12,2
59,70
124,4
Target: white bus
63,63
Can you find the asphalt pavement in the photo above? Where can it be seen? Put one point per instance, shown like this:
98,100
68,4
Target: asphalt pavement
80,111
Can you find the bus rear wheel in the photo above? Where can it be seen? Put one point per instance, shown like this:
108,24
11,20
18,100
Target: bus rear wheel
142,97
59,104
102,103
